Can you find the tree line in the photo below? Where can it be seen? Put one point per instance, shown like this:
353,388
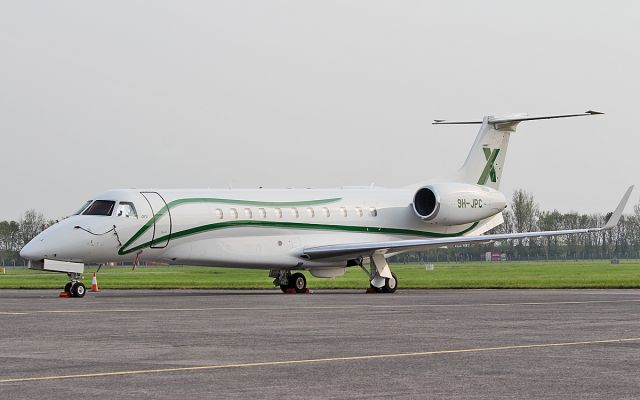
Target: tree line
523,215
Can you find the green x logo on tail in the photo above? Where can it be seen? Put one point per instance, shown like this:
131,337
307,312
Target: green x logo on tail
489,168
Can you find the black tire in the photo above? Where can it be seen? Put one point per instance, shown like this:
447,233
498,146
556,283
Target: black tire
298,282
78,289
67,288
390,284
287,285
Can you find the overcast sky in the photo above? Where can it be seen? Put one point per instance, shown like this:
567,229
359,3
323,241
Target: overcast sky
121,94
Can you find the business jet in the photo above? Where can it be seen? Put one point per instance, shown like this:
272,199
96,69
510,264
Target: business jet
322,231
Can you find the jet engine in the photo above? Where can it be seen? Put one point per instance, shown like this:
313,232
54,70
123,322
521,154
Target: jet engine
457,203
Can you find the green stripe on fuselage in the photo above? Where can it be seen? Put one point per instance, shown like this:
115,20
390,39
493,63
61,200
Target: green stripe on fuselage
293,225
175,203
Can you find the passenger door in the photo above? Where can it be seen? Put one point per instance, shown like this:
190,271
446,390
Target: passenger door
161,220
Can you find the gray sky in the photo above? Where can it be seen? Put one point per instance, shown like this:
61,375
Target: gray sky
101,95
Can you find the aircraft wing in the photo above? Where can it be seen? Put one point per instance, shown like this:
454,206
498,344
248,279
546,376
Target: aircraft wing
355,250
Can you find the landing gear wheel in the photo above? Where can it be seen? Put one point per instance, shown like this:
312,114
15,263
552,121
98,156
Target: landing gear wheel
67,288
390,284
298,282
78,289
285,284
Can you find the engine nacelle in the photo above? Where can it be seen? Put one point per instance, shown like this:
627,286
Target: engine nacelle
457,203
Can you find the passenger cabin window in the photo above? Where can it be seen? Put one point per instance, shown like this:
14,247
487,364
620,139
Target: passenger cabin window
343,211
373,212
262,213
359,211
248,213
234,213
84,207
126,209
326,212
278,212
100,207
294,212
311,212
219,213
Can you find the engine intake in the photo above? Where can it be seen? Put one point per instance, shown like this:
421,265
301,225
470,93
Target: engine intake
425,202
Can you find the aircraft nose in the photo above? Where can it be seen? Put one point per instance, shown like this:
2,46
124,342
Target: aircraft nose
41,246
34,250
58,242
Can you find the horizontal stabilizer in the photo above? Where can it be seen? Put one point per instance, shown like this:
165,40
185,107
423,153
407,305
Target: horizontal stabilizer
497,120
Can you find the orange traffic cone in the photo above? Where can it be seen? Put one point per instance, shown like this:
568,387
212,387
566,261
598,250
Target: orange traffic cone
94,283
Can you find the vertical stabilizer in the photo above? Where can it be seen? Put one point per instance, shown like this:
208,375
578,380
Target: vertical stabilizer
485,161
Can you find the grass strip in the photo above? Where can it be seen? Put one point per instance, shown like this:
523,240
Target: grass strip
473,275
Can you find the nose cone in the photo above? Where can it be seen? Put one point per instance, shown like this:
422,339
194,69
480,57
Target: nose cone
50,243
32,250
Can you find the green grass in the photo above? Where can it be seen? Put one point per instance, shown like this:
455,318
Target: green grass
554,274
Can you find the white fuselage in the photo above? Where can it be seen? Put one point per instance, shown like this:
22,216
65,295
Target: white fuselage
257,228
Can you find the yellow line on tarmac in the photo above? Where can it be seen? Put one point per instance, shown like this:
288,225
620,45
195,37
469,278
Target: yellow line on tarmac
314,360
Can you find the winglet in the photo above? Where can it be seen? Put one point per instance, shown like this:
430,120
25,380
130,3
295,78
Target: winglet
615,217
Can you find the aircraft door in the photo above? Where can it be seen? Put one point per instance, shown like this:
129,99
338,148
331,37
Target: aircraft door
162,223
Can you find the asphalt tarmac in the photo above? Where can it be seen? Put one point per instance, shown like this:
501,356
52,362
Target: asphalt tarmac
415,344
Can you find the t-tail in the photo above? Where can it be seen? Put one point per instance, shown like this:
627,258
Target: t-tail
485,162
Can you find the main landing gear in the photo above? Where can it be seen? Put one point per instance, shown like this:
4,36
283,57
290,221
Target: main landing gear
390,285
382,280
288,282
75,288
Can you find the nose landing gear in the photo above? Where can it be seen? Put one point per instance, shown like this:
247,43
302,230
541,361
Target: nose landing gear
75,288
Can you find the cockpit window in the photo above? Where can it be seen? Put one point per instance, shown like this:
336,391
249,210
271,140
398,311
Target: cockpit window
84,207
100,207
126,209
